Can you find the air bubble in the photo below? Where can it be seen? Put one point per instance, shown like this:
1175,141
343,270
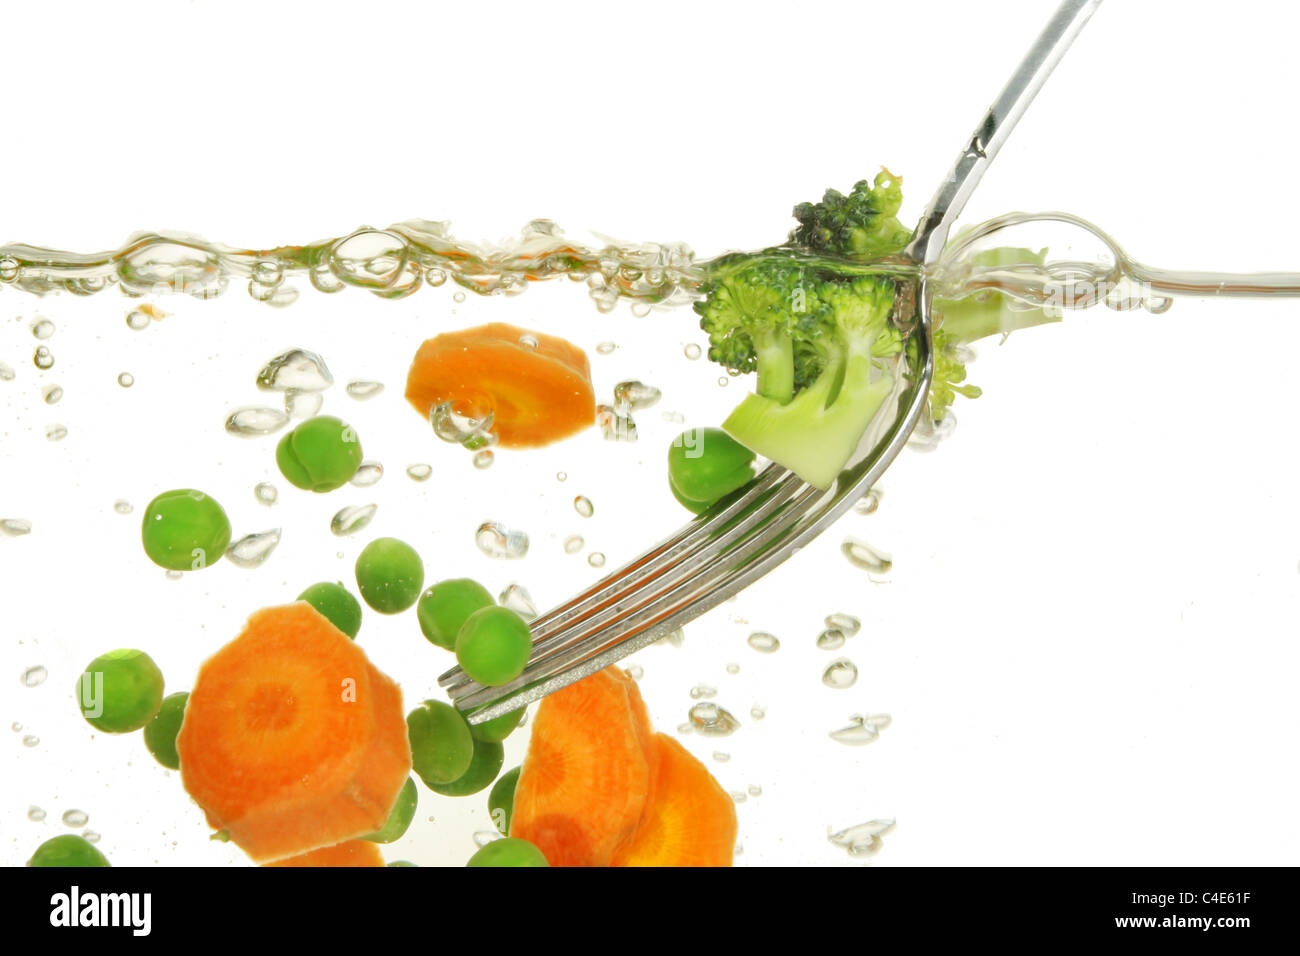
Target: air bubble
367,474
253,549
709,719
862,729
830,639
296,369
868,503
862,555
634,396
254,422
352,519
362,390
497,541
845,623
517,598
300,404
841,673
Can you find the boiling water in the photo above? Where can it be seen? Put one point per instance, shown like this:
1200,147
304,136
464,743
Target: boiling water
76,582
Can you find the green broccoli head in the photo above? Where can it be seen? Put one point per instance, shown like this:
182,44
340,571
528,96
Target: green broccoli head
755,310
862,225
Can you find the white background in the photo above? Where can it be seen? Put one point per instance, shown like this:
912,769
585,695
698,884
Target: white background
1088,640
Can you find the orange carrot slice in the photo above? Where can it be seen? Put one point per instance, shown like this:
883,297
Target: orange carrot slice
689,819
536,394
292,740
351,853
584,781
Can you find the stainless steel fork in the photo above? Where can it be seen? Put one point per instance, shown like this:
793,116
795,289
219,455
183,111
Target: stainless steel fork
744,536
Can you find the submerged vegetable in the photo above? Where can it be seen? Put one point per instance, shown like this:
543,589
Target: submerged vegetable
706,464
121,691
160,733
389,575
399,819
337,603
67,850
292,739
444,607
483,768
493,645
599,788
501,801
441,744
536,388
508,852
349,853
321,454
184,530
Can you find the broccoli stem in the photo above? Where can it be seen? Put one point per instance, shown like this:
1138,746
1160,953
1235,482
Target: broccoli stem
970,319
774,354
816,433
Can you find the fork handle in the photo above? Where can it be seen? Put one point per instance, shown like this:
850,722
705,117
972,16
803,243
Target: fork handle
992,131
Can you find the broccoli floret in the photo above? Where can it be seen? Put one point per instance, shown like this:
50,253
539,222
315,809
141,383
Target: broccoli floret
816,432
757,314
818,331
862,225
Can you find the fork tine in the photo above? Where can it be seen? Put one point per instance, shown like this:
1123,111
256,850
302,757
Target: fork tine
773,487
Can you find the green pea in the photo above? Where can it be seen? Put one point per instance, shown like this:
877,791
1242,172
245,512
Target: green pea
493,645
336,603
184,530
389,575
321,454
442,748
399,818
510,851
444,607
160,733
67,850
498,728
483,769
501,801
120,691
706,464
